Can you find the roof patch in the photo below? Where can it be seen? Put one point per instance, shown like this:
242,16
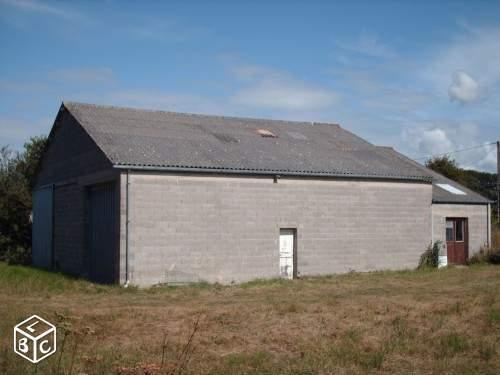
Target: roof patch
266,133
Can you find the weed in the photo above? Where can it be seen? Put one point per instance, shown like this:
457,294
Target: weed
353,335
265,283
430,257
485,255
238,363
487,350
373,360
287,307
452,344
494,316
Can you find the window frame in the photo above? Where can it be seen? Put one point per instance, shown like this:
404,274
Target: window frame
453,233
460,222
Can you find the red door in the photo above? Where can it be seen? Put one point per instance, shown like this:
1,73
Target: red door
456,240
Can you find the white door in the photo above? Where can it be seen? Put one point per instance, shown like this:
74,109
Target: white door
287,238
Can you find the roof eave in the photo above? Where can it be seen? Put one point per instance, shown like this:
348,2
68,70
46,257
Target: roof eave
257,172
434,201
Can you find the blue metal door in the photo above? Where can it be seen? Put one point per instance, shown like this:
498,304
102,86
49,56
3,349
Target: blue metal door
42,228
102,214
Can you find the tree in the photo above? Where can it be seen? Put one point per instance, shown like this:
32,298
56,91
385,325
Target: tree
17,178
447,167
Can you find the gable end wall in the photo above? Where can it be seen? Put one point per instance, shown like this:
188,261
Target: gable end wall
477,215
71,162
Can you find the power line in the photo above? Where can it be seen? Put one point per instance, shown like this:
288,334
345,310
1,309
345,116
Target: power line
469,162
455,151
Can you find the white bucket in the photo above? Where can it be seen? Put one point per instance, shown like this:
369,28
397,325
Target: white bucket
442,261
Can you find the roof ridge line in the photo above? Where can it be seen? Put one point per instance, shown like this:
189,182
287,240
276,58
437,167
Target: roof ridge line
254,119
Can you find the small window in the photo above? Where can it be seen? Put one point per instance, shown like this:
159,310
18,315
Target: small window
459,231
449,230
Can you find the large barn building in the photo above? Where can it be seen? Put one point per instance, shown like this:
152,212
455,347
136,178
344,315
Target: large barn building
145,197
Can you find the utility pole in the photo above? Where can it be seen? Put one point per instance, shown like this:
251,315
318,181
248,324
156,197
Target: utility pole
498,182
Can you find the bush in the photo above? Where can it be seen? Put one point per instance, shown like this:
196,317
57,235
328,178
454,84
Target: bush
485,255
430,257
18,255
17,178
494,257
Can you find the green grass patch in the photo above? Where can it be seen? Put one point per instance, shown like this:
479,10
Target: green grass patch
452,344
494,315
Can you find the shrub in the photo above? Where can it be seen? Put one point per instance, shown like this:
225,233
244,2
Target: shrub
480,257
485,255
430,257
18,255
494,257
17,179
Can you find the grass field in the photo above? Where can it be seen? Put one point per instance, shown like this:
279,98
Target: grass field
445,321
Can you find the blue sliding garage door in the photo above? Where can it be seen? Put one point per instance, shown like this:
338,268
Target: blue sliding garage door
42,229
102,229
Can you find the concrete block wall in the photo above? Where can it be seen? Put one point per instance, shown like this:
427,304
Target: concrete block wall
226,229
478,219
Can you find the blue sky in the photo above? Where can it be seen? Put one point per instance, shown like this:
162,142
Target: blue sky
423,77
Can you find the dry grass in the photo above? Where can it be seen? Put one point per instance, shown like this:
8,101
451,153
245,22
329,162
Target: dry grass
445,321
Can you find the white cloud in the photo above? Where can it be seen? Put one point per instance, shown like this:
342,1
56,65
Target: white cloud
40,7
475,52
15,131
156,28
83,75
423,140
464,88
161,100
247,72
428,140
434,141
367,44
271,89
488,162
396,100
285,95
13,87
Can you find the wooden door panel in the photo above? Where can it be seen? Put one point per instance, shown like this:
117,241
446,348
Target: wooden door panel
457,240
